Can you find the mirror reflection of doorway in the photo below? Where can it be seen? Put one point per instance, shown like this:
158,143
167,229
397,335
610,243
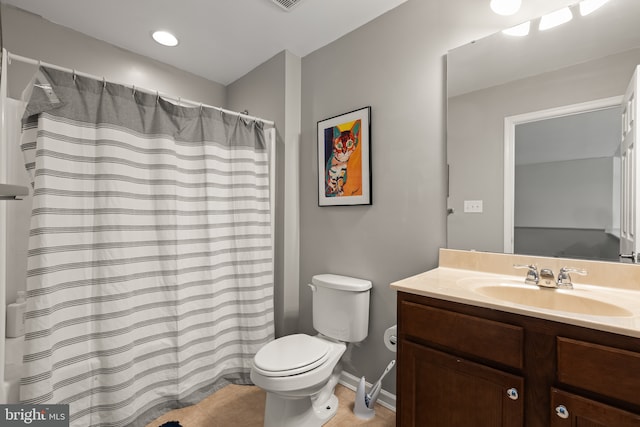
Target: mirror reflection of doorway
567,185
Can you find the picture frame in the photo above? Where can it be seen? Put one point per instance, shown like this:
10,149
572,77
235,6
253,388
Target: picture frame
344,159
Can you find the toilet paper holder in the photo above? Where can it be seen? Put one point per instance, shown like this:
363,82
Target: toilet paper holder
391,338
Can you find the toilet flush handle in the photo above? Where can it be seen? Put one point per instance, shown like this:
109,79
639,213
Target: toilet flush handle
313,287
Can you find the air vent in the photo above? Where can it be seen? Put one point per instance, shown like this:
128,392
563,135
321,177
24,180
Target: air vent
286,4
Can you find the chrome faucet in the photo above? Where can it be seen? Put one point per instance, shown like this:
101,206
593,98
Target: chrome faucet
532,274
547,280
543,279
564,279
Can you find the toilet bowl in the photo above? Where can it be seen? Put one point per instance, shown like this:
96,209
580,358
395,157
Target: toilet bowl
300,382
299,372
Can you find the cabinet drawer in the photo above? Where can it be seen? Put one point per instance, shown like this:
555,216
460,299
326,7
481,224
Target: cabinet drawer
487,339
569,410
608,371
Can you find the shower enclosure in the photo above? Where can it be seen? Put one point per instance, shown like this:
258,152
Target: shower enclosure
150,250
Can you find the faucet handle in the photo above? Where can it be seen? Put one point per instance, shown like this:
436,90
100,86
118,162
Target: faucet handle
564,279
532,274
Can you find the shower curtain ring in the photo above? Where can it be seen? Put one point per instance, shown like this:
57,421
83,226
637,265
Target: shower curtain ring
133,90
74,74
157,97
104,83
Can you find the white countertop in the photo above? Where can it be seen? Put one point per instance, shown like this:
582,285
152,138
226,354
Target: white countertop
458,285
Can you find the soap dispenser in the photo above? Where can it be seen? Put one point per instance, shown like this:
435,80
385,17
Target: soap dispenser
15,316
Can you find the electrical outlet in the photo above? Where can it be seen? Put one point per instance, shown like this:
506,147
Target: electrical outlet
473,206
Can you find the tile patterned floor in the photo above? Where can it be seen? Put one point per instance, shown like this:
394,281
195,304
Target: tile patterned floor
243,406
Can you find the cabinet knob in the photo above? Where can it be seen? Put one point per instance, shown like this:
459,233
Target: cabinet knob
512,393
562,412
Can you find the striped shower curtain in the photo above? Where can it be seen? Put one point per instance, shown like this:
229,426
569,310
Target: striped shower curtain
150,270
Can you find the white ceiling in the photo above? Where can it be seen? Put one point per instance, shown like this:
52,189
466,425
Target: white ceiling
588,135
220,40
498,59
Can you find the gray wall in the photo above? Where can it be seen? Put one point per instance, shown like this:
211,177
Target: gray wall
566,209
29,35
566,194
394,64
579,243
475,147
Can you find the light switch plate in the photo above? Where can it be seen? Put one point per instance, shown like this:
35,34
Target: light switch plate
473,206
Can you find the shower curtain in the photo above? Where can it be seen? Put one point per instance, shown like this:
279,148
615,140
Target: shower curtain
150,265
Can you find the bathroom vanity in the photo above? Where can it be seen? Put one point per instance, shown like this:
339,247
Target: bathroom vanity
468,359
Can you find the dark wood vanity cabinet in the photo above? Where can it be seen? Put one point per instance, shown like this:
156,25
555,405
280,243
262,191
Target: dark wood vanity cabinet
467,366
445,390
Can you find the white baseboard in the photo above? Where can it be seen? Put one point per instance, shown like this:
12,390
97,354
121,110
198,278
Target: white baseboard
385,398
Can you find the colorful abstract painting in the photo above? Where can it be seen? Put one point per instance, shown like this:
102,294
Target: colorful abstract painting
344,159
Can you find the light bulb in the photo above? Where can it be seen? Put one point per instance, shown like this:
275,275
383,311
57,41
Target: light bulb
505,7
165,38
556,18
519,30
588,6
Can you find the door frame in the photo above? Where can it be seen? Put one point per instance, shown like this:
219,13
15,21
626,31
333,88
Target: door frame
629,241
510,124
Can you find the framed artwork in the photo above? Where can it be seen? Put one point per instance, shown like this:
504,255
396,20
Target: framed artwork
344,159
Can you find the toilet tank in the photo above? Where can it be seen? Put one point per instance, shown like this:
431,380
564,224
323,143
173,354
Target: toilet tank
341,307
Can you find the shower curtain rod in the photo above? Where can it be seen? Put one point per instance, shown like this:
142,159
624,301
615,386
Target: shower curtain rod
12,56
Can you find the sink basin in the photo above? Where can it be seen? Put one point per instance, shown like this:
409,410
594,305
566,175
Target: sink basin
551,299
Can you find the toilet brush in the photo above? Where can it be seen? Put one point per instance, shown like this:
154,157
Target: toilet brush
360,408
372,396
364,404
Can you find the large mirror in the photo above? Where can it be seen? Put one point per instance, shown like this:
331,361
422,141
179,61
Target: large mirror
533,135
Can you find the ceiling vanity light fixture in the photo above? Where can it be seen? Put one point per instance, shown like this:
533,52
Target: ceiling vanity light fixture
554,19
519,30
505,7
165,38
589,6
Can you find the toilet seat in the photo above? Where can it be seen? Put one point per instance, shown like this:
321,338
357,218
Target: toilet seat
291,355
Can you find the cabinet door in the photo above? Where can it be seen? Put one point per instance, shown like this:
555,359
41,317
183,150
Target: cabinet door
436,389
569,410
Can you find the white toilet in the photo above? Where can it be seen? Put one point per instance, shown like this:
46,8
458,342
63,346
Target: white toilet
300,372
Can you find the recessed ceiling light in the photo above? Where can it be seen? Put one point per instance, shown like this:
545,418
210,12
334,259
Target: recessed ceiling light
165,38
519,30
588,6
556,18
505,7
